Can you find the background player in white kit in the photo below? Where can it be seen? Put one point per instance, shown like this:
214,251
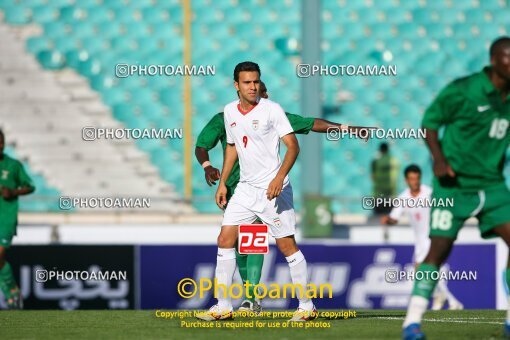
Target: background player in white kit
419,220
254,127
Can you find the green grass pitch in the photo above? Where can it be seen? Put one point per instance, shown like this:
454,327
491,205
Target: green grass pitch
467,324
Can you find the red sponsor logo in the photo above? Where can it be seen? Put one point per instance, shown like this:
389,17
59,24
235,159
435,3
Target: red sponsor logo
253,239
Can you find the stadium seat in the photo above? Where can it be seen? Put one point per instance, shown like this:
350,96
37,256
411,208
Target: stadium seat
52,60
89,67
56,29
109,29
408,30
71,14
425,15
94,45
429,64
439,31
102,82
44,14
449,16
17,15
397,15
65,44
353,31
97,14
124,43
38,43
452,68
382,30
367,15
490,30
83,29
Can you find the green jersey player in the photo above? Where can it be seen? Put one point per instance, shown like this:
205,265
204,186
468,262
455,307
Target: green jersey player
474,112
250,266
14,182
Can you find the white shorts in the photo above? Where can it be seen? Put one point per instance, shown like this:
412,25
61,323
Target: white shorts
421,249
249,202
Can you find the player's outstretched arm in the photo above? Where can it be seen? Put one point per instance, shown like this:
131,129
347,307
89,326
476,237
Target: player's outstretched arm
276,185
212,174
441,166
322,126
228,163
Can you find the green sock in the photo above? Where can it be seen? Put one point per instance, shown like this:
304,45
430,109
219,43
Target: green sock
254,266
507,277
241,264
7,282
424,282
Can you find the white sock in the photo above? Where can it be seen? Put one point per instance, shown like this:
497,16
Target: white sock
417,307
442,288
225,268
299,275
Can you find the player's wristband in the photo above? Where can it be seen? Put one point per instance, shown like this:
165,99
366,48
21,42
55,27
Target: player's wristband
206,164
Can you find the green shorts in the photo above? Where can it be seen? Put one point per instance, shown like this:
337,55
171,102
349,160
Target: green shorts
490,206
6,236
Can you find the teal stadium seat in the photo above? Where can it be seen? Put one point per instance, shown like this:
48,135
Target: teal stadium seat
397,15
75,57
382,30
71,14
98,14
44,14
83,29
51,60
367,15
38,43
490,30
66,44
89,67
109,29
354,31
408,30
153,14
101,82
56,29
94,45
464,30
439,30
17,15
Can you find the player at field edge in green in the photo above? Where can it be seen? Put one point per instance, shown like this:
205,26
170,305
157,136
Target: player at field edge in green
250,266
14,182
474,112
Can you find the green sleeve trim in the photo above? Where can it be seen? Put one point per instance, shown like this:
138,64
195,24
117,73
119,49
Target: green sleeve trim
443,109
300,124
212,133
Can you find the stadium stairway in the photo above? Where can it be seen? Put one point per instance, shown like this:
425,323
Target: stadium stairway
43,113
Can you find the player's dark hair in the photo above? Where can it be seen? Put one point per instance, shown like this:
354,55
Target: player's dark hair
500,42
246,66
412,168
383,147
2,134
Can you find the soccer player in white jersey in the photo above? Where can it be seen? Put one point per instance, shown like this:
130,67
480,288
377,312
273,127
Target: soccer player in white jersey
254,127
419,220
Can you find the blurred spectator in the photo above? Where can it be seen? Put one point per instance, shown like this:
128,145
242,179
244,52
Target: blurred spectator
385,170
